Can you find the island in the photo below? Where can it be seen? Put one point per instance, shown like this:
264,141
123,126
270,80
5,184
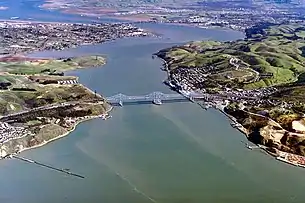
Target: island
38,102
258,82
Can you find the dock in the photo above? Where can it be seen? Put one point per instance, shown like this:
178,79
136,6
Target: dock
66,171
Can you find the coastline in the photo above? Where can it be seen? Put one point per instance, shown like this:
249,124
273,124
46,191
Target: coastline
67,133
279,155
104,115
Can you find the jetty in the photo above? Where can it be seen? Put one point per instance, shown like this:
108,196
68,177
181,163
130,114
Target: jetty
66,171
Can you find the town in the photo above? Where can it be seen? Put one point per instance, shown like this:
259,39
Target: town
9,132
237,18
238,15
25,37
247,85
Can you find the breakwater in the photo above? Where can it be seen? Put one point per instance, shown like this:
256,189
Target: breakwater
66,171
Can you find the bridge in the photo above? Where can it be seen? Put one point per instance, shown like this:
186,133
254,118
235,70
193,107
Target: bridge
155,98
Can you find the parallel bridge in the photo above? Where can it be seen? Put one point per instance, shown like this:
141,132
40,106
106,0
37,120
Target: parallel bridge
155,98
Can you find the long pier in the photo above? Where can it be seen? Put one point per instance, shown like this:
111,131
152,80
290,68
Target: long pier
47,166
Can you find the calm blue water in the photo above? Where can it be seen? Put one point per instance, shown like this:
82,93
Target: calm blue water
25,9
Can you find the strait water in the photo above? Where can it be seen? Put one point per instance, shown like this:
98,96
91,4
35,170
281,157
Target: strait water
30,9
170,153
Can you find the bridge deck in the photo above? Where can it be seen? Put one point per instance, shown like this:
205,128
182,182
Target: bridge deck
156,97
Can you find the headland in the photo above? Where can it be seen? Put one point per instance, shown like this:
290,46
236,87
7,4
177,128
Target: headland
38,102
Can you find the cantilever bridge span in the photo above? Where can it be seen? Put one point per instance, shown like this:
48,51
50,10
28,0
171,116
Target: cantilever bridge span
155,98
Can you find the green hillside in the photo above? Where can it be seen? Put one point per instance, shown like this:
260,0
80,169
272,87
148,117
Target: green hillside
274,49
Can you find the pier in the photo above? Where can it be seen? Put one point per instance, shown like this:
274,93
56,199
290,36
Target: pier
66,171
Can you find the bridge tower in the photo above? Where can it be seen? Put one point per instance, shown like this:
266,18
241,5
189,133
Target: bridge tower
157,98
119,99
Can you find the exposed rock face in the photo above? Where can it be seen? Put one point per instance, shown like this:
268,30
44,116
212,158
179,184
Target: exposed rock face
284,134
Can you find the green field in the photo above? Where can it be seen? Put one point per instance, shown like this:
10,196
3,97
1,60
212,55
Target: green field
14,101
51,65
28,74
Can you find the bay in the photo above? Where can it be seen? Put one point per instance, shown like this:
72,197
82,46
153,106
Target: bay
145,153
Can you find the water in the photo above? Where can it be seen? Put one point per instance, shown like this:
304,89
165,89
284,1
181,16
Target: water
30,9
170,153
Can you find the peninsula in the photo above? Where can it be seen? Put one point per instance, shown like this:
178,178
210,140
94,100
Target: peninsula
258,82
38,102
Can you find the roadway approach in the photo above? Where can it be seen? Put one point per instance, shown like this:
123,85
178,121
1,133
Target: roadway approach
156,98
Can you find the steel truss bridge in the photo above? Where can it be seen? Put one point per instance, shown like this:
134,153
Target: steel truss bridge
155,98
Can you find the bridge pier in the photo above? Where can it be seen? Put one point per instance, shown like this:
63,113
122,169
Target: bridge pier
157,101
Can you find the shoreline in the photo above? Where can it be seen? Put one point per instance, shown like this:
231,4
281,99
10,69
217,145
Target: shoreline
105,115
66,133
86,118
242,130
278,155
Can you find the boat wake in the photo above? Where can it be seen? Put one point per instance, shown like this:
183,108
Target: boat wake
135,188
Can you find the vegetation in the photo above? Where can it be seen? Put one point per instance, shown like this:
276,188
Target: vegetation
275,49
30,74
271,55
47,66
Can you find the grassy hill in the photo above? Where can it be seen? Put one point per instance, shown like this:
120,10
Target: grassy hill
276,49
270,55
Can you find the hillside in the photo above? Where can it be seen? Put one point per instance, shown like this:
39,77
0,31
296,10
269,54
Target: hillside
270,55
38,103
260,79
